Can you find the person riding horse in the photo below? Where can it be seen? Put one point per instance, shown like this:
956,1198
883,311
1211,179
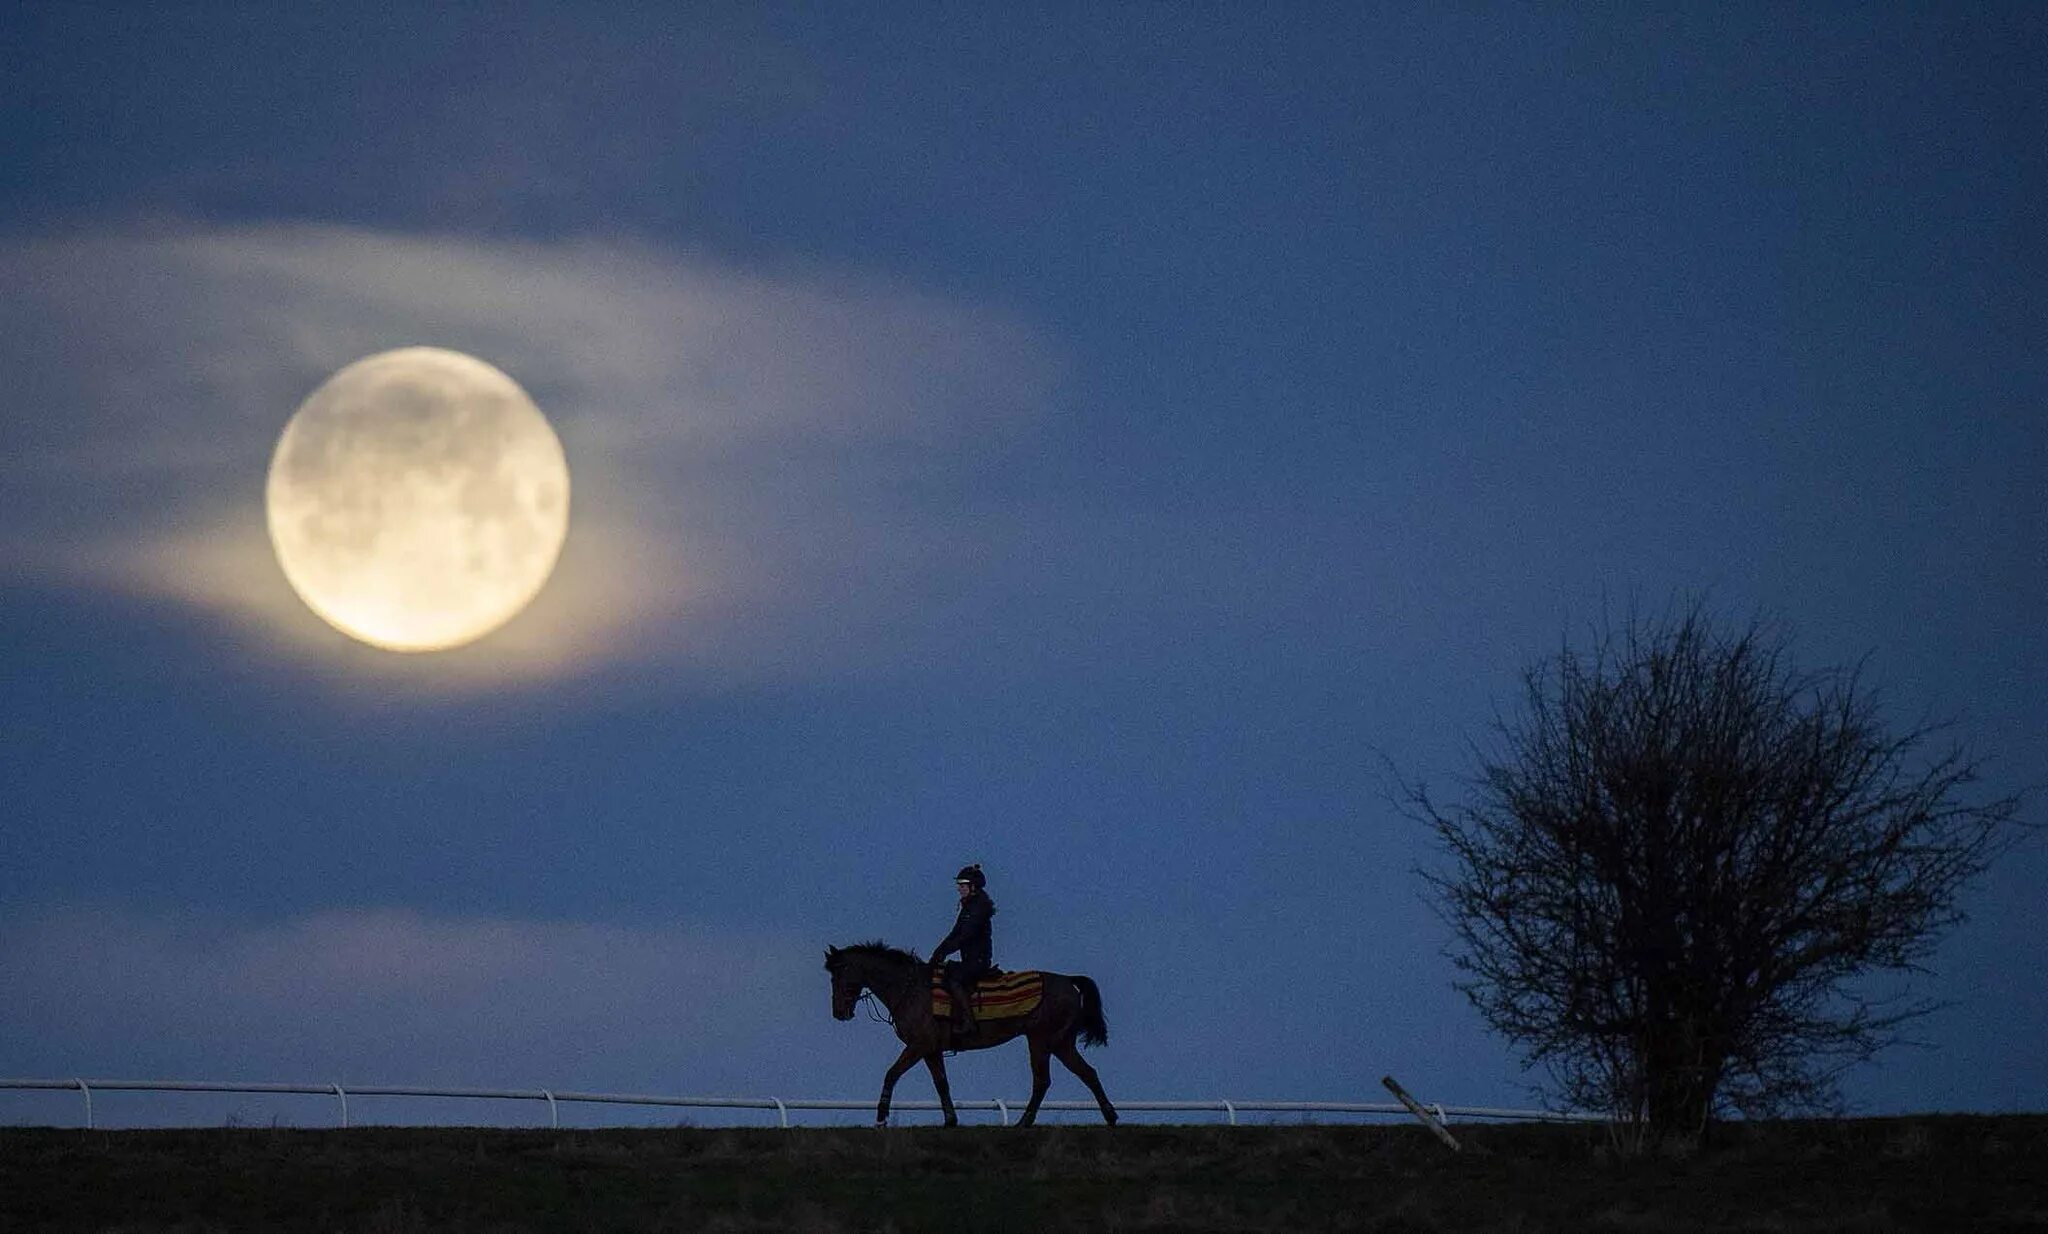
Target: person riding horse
970,937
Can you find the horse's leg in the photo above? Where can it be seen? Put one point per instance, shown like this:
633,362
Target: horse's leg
1079,1066
936,1062
1041,1079
896,1069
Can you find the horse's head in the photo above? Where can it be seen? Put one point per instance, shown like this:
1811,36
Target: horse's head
889,972
845,986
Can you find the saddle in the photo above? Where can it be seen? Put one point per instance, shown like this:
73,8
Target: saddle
997,996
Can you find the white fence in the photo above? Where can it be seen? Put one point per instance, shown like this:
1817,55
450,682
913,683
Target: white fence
555,1098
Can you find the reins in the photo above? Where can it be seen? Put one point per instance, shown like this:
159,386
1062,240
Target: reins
880,957
878,1008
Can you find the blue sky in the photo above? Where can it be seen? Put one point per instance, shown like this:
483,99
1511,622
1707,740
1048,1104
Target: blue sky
1075,440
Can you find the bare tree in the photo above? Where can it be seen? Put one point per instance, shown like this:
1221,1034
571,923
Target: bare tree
1669,877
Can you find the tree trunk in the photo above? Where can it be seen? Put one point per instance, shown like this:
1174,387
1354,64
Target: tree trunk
1681,1085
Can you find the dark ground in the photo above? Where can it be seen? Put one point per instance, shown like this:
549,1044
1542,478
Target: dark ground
1925,1173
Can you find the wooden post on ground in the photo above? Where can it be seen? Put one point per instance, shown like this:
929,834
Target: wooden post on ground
1416,1108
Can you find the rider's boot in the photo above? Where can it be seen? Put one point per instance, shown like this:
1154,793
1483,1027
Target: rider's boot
963,1013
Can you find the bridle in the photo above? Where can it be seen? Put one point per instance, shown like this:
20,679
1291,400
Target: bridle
877,1010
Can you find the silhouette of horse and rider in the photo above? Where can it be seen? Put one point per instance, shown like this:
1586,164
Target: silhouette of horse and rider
932,1005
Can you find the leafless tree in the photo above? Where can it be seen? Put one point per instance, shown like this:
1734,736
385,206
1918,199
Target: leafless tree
1673,873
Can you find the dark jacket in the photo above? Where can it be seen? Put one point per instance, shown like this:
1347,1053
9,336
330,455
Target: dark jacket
970,936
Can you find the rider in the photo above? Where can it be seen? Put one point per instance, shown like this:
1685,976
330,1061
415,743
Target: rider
970,937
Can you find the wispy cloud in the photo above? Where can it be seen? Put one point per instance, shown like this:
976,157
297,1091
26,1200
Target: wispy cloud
386,995
754,455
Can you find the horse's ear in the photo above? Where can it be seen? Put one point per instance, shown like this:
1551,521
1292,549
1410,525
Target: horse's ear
831,956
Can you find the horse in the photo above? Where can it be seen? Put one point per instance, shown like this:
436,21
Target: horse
1070,1008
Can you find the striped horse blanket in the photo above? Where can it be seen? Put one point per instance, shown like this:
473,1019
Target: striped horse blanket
996,998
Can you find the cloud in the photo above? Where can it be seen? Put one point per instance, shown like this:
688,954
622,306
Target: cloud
759,460
396,996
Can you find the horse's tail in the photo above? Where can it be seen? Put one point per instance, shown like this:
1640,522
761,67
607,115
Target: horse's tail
1094,1029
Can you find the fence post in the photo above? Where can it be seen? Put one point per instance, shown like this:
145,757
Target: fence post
783,1110
1232,1111
1003,1110
554,1117
88,1101
344,1106
1415,1107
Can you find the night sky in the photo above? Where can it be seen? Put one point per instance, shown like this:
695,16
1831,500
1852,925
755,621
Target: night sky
1081,440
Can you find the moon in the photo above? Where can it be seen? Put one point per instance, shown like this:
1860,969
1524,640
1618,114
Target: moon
418,499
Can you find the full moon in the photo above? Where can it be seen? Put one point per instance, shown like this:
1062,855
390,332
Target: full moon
418,499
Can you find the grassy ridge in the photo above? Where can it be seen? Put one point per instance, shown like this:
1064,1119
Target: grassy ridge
1935,1173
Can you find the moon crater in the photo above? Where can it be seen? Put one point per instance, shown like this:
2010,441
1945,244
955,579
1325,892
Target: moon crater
418,499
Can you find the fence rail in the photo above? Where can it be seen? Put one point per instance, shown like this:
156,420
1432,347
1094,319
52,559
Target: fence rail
555,1098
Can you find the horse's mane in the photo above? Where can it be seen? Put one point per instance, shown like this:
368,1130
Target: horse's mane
876,947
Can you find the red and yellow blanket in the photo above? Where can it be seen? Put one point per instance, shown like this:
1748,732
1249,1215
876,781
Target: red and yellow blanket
996,998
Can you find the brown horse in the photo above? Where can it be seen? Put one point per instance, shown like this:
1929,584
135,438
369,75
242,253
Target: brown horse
1070,1008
